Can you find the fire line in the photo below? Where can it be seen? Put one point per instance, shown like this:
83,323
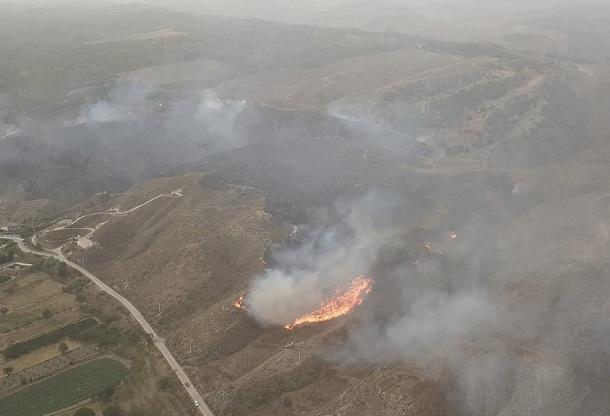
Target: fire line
342,303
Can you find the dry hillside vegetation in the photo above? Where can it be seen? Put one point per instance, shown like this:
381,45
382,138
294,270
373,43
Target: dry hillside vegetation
184,261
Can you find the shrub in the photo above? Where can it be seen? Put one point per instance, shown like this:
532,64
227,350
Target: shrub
23,347
61,270
106,394
84,411
166,383
113,410
107,337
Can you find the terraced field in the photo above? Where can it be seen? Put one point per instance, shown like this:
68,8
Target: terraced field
65,389
23,347
27,297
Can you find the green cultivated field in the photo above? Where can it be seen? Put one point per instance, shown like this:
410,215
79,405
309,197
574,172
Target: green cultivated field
64,389
23,347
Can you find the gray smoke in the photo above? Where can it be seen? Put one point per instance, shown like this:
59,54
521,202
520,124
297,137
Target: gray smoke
132,133
128,101
341,244
201,118
8,121
490,313
220,116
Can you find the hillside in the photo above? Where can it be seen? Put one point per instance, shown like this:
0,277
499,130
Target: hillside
94,108
184,261
236,178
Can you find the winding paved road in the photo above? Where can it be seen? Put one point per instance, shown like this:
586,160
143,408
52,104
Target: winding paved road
180,373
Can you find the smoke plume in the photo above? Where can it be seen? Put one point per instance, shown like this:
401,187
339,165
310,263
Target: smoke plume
487,308
341,244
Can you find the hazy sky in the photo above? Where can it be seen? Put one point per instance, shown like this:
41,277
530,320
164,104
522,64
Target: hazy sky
467,20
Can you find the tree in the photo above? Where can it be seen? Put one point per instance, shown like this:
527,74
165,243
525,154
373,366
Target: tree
7,370
46,314
165,383
113,410
63,348
61,270
84,411
106,394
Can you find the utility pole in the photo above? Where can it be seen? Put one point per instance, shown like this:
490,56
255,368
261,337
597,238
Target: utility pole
158,303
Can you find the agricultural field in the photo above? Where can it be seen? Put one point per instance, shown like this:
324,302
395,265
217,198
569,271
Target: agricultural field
57,332
42,355
23,347
40,318
31,298
64,389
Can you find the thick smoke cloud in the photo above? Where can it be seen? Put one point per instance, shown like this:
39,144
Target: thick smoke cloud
202,117
125,102
340,244
220,116
132,133
8,124
413,314
480,313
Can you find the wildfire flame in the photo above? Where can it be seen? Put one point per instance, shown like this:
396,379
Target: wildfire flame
339,305
342,303
239,302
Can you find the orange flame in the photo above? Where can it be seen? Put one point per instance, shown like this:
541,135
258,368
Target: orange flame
339,305
239,302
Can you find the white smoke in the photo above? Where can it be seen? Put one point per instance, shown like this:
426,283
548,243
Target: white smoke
447,313
202,117
341,246
219,116
128,101
437,323
8,130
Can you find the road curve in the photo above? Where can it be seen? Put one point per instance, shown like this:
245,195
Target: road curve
180,373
